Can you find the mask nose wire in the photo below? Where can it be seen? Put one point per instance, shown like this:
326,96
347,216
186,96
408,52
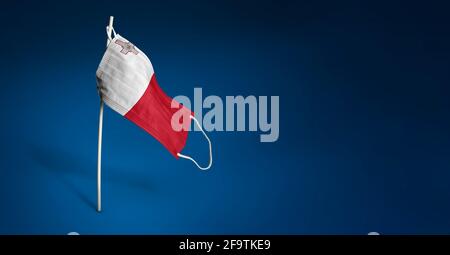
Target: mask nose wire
210,148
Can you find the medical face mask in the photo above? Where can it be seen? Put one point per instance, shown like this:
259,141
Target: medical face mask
127,84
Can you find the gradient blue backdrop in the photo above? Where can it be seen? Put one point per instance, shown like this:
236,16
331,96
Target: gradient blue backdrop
364,119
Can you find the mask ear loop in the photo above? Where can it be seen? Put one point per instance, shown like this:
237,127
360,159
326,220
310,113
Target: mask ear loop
109,35
210,149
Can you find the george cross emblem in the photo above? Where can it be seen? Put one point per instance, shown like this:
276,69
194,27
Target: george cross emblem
127,47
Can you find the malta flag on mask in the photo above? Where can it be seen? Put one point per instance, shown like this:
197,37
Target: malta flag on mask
127,83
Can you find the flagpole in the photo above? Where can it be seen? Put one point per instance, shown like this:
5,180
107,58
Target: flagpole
100,131
99,159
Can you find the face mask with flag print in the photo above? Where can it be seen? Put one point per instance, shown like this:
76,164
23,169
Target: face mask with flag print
127,84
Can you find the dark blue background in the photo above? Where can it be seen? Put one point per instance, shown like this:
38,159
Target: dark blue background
364,119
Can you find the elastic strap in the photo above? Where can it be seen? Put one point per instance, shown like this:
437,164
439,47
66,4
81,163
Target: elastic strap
210,148
114,32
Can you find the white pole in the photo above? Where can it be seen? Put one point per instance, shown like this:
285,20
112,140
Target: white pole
99,158
100,130
110,26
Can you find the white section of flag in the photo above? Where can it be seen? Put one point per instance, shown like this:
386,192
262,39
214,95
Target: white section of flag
127,76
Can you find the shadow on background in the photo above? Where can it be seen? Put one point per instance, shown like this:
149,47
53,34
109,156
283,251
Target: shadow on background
63,165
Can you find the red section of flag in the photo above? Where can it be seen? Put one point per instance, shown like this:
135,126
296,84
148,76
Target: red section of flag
153,113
